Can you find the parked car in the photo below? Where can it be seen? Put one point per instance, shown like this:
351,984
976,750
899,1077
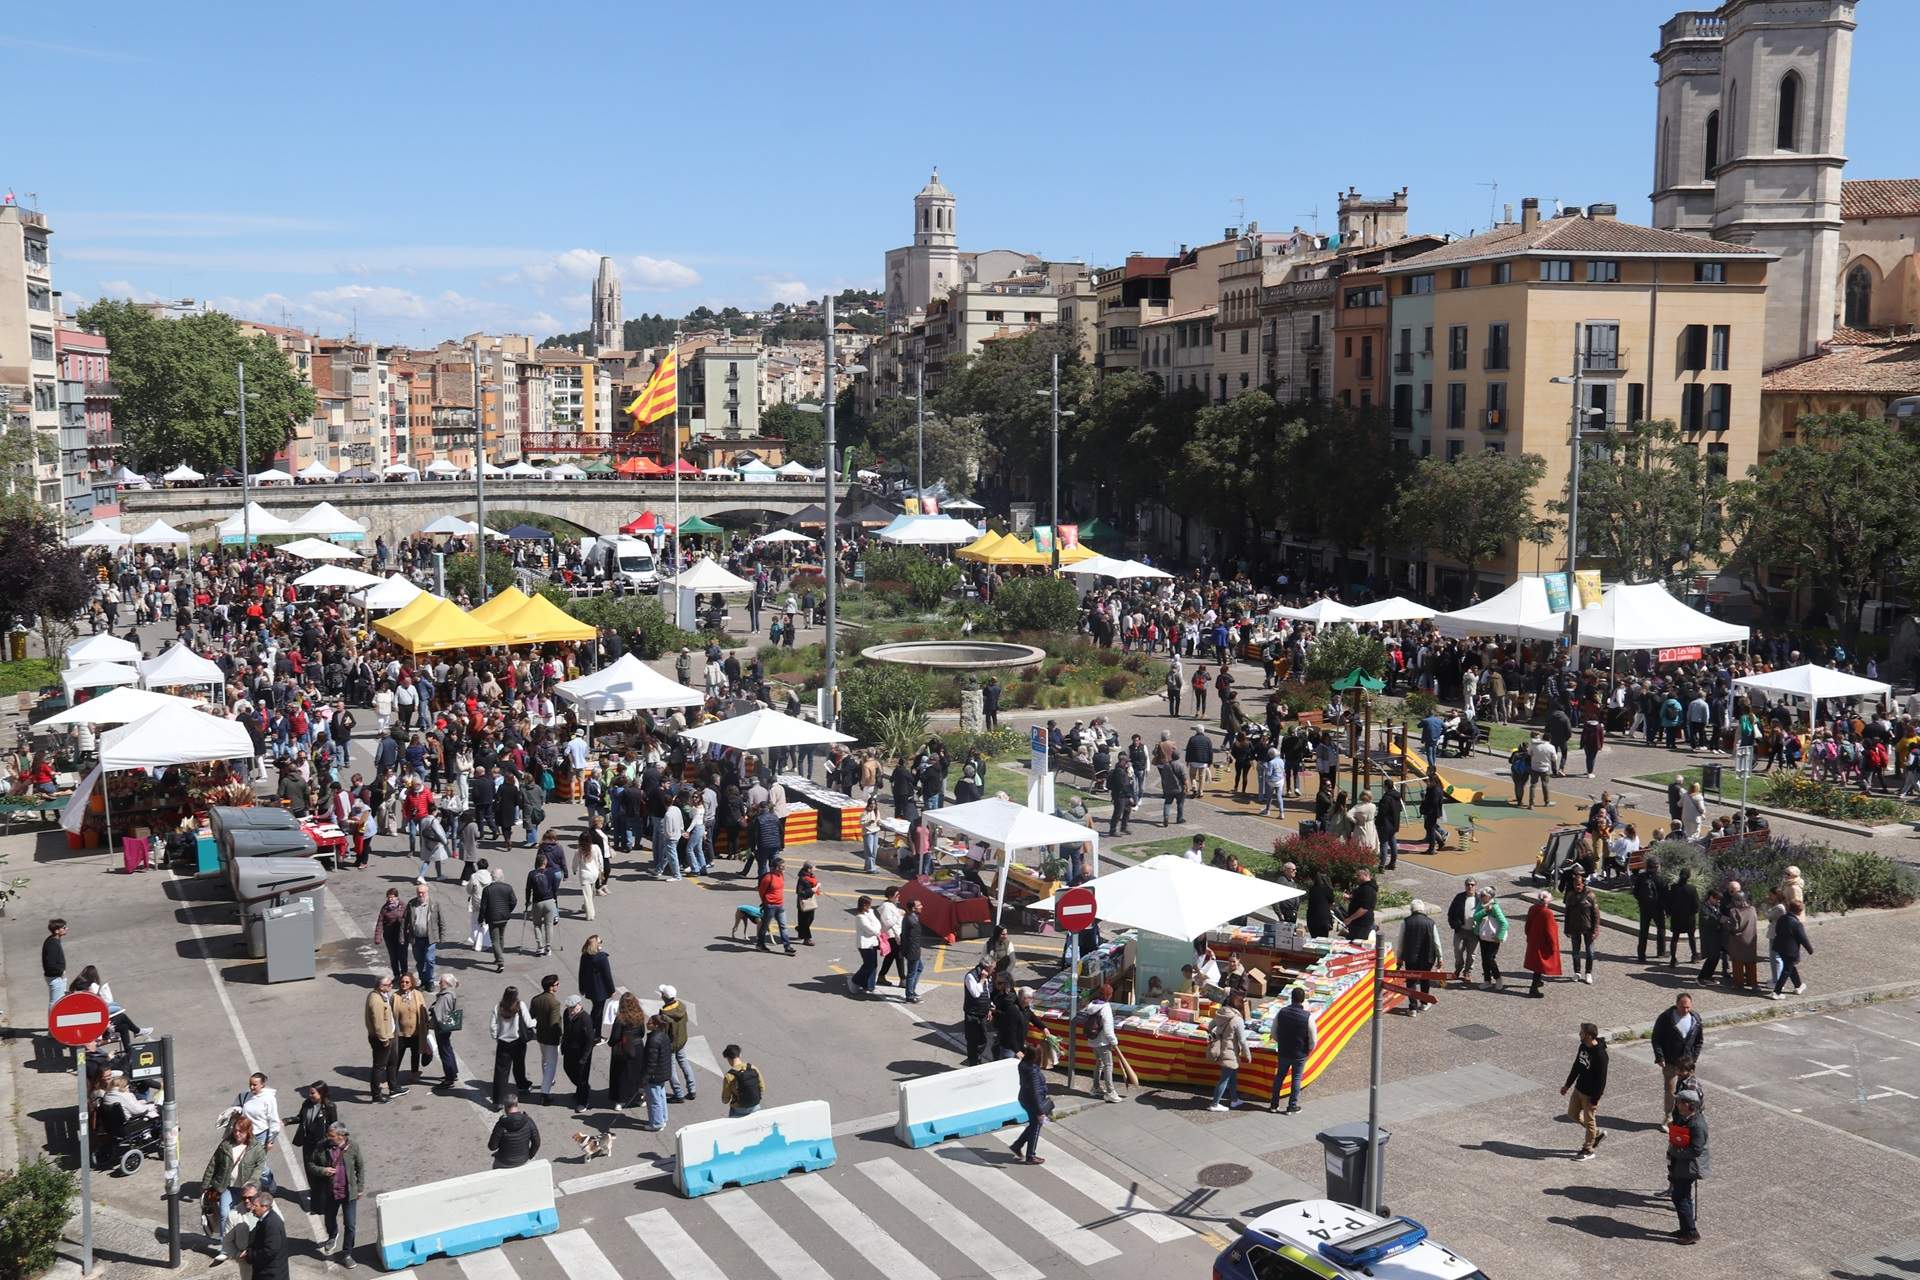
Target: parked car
1327,1240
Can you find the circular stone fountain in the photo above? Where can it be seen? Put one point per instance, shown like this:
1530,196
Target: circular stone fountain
956,655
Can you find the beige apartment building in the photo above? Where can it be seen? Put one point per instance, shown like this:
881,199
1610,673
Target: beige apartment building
1656,324
29,314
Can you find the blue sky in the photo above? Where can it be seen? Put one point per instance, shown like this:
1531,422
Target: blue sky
424,171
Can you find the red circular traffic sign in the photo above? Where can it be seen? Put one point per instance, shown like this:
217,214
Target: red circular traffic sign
78,1019
1074,909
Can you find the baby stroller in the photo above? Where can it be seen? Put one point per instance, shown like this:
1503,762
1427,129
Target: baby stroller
125,1143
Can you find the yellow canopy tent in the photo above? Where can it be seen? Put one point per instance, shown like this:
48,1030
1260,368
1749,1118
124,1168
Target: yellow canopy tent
540,620
447,626
1014,551
394,623
501,606
1076,553
980,546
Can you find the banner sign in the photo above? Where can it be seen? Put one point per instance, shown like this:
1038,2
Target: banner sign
1556,585
1685,653
1586,585
1069,536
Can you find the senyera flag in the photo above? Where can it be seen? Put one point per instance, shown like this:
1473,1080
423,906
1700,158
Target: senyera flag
657,399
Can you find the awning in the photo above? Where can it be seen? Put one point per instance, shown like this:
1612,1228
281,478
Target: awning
1812,683
160,533
1320,612
318,549
318,471
337,575
625,686
759,730
99,534
182,474
1175,898
104,647
174,734
1521,610
705,575
117,706
500,606
1643,616
444,626
396,591
97,675
1398,609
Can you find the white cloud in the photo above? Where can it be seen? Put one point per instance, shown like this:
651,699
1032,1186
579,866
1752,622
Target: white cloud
787,291
642,272
126,289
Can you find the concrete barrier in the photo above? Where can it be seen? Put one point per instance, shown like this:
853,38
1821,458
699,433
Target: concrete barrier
465,1214
959,1103
768,1144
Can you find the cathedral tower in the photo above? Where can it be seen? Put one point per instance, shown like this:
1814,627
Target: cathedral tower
605,334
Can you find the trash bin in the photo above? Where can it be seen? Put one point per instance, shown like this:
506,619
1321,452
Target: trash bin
1710,777
1346,1150
290,940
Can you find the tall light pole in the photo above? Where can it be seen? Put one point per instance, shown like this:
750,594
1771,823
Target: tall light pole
920,428
829,376
480,499
1053,397
246,517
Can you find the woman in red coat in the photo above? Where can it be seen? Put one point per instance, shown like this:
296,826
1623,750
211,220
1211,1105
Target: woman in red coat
1543,944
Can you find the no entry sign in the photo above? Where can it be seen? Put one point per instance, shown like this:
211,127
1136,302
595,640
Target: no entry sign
78,1019
1074,909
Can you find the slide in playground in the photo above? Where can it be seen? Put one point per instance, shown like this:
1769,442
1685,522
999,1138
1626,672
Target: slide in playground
1417,768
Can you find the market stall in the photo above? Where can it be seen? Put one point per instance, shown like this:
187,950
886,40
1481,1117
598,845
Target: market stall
1008,828
624,688
180,667
396,591
154,770
763,730
1813,685
836,816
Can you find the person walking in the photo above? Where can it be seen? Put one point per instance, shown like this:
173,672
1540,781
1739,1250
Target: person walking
1789,940
773,910
1096,1023
1681,907
907,946
543,903
317,1111
336,1172
1713,939
1687,1161
446,1017
389,925
413,1041
1419,949
1121,790
1542,763
1490,930
1293,1039
1387,817
596,979
1742,926
497,903
673,1013
424,927
1460,921
547,1014
267,1240
1433,812
1585,1085
1678,1037
579,1032
656,1070
976,1004
383,1044
1035,1061
1542,958
1227,1048
515,1138
53,960
512,1029
742,1088
867,935
1583,925
806,892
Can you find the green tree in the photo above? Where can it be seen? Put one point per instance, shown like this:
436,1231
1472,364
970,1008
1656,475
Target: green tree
952,444
868,693
463,574
1832,511
177,385
1235,465
1468,509
997,389
805,433
1036,604
1132,440
1353,451
41,578
1650,505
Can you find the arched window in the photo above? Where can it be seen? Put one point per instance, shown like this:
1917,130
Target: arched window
1787,127
1713,143
1734,151
1859,298
1665,157
926,219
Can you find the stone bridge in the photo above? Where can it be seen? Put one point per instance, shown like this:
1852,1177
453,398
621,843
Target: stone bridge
394,510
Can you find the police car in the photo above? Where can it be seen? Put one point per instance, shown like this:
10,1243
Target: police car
1326,1240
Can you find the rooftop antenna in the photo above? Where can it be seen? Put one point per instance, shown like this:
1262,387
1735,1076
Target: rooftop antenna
1493,202
1314,214
1241,202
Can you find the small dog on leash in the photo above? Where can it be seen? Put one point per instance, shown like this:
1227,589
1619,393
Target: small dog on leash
594,1144
746,920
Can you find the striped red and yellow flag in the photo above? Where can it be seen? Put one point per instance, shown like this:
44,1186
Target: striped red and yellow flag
657,399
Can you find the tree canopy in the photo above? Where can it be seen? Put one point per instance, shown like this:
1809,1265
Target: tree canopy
177,385
41,577
1650,503
1469,508
999,388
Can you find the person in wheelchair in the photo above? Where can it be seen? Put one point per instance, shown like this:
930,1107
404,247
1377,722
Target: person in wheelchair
126,1126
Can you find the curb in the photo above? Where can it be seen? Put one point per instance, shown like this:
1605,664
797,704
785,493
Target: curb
1097,709
1771,1009
1789,815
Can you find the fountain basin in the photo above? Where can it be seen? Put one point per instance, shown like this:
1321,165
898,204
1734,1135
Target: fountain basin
956,655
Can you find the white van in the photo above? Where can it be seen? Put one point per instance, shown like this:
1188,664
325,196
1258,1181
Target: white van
624,558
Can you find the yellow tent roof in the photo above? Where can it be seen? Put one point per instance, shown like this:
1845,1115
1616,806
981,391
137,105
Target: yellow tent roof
394,623
447,626
1076,553
980,546
540,620
1014,550
507,602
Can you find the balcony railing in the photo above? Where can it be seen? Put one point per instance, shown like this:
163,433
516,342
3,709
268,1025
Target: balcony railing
1496,419
1603,362
102,391
1494,357
1312,342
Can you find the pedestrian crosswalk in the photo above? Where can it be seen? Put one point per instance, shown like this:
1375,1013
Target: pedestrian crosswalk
962,1208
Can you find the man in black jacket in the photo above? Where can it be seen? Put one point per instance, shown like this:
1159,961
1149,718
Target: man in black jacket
1120,789
1677,1036
1586,1082
496,908
515,1138
1460,920
267,1246
1419,949
1682,908
1650,891
976,1003
766,836
1686,1160
1293,1041
1386,824
543,902
911,963
53,960
1199,755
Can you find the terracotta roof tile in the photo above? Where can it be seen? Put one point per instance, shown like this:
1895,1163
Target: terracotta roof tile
1578,234
1880,368
1880,198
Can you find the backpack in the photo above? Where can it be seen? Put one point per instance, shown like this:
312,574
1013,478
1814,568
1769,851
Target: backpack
748,1088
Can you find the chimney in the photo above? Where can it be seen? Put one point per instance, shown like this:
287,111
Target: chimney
1506,213
1602,212
1529,213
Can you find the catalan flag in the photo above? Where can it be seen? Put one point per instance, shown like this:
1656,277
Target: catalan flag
659,397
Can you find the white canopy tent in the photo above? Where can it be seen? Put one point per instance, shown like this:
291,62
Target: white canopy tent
1642,616
327,521
1520,610
783,535
442,467
762,729
494,470
566,471
1011,826
706,575
626,686
450,524
263,522
721,473
117,706
319,549
921,531
1320,612
182,474
793,471
180,665
97,675
1104,566
99,534
273,475
128,478
1398,609
318,471
524,470
175,734
1175,898
337,575
393,469
394,592
103,647
1813,685
160,533
960,504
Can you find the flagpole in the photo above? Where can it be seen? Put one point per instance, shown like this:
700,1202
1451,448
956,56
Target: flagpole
675,422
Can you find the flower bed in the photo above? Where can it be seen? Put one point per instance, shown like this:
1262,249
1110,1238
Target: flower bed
1837,880
1803,794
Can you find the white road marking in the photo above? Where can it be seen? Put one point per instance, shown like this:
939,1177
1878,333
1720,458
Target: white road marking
1080,1244
338,914
1835,1129
1105,1192
614,1177
880,1120
491,1265
700,1054
1782,1028
867,1237
668,1241
1885,1035
1831,1070
768,1240
955,1227
580,1257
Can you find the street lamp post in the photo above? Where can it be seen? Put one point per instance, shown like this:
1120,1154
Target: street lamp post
920,428
829,676
1053,397
246,489
480,502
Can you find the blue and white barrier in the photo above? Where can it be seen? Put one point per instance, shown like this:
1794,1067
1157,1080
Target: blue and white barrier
959,1103
768,1144
465,1214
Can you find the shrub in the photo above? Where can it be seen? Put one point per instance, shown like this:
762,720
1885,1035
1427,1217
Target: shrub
1337,650
1115,685
900,731
1338,860
992,744
641,622
811,582
463,573
1790,790
1846,879
36,1200
1420,704
1836,880
1036,604
868,693
1135,662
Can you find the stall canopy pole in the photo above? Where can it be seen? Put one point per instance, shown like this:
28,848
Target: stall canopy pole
1372,1201
1000,895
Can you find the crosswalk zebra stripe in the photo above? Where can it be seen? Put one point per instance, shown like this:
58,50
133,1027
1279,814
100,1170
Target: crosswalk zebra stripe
579,1256
956,1228
491,1265
1014,1193
760,1233
1107,1193
866,1236
669,1242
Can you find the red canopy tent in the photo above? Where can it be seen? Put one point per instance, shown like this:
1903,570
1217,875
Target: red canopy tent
641,466
645,522
684,467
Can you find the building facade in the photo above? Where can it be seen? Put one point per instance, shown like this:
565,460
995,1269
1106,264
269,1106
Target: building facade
29,371
88,444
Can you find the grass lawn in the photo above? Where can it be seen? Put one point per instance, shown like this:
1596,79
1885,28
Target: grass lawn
27,675
1616,903
1688,776
1503,738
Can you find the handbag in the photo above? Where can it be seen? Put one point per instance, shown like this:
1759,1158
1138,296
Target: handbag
1489,928
885,946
